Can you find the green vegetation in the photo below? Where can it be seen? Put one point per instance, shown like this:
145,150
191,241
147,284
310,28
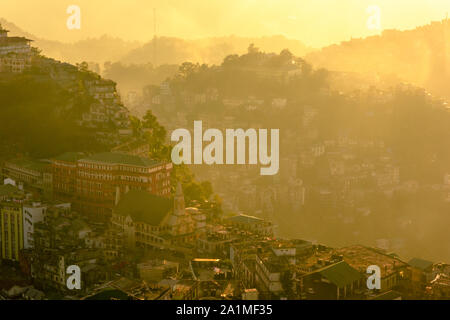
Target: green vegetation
254,73
151,131
38,116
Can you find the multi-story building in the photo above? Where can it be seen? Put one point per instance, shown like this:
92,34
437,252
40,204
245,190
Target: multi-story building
252,224
109,108
49,268
269,272
27,171
34,175
101,179
64,171
19,220
94,183
32,213
243,259
334,281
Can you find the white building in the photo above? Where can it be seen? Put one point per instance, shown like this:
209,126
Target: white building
32,214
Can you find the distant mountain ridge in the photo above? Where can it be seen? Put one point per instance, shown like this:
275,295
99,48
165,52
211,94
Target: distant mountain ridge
420,56
99,50
169,50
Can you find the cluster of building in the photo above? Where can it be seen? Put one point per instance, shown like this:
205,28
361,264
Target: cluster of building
115,216
297,269
154,247
108,107
97,213
92,183
105,110
343,176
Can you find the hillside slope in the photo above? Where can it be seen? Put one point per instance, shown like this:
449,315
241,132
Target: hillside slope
420,56
207,50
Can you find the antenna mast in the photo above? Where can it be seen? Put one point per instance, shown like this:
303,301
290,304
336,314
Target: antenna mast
154,38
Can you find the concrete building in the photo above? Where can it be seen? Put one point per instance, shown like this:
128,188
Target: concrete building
333,282
11,228
31,173
15,52
32,213
95,183
252,224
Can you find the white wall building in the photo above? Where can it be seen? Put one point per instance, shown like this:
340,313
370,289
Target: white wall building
32,214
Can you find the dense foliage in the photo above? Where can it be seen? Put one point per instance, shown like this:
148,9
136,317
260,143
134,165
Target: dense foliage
37,116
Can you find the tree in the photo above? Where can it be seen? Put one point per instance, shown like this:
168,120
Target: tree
252,49
83,66
187,69
156,135
136,125
286,282
207,189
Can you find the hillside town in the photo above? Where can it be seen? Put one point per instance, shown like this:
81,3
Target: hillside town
336,174
150,245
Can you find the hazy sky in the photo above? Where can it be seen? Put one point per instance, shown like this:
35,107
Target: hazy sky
315,22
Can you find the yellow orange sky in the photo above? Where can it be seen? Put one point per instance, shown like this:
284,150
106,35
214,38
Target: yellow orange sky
315,22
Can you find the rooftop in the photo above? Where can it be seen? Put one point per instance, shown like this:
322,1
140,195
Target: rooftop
7,189
29,164
389,295
144,207
360,257
13,39
69,156
242,218
340,274
420,263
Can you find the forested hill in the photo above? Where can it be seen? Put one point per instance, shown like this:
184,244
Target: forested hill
169,50
40,115
420,56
